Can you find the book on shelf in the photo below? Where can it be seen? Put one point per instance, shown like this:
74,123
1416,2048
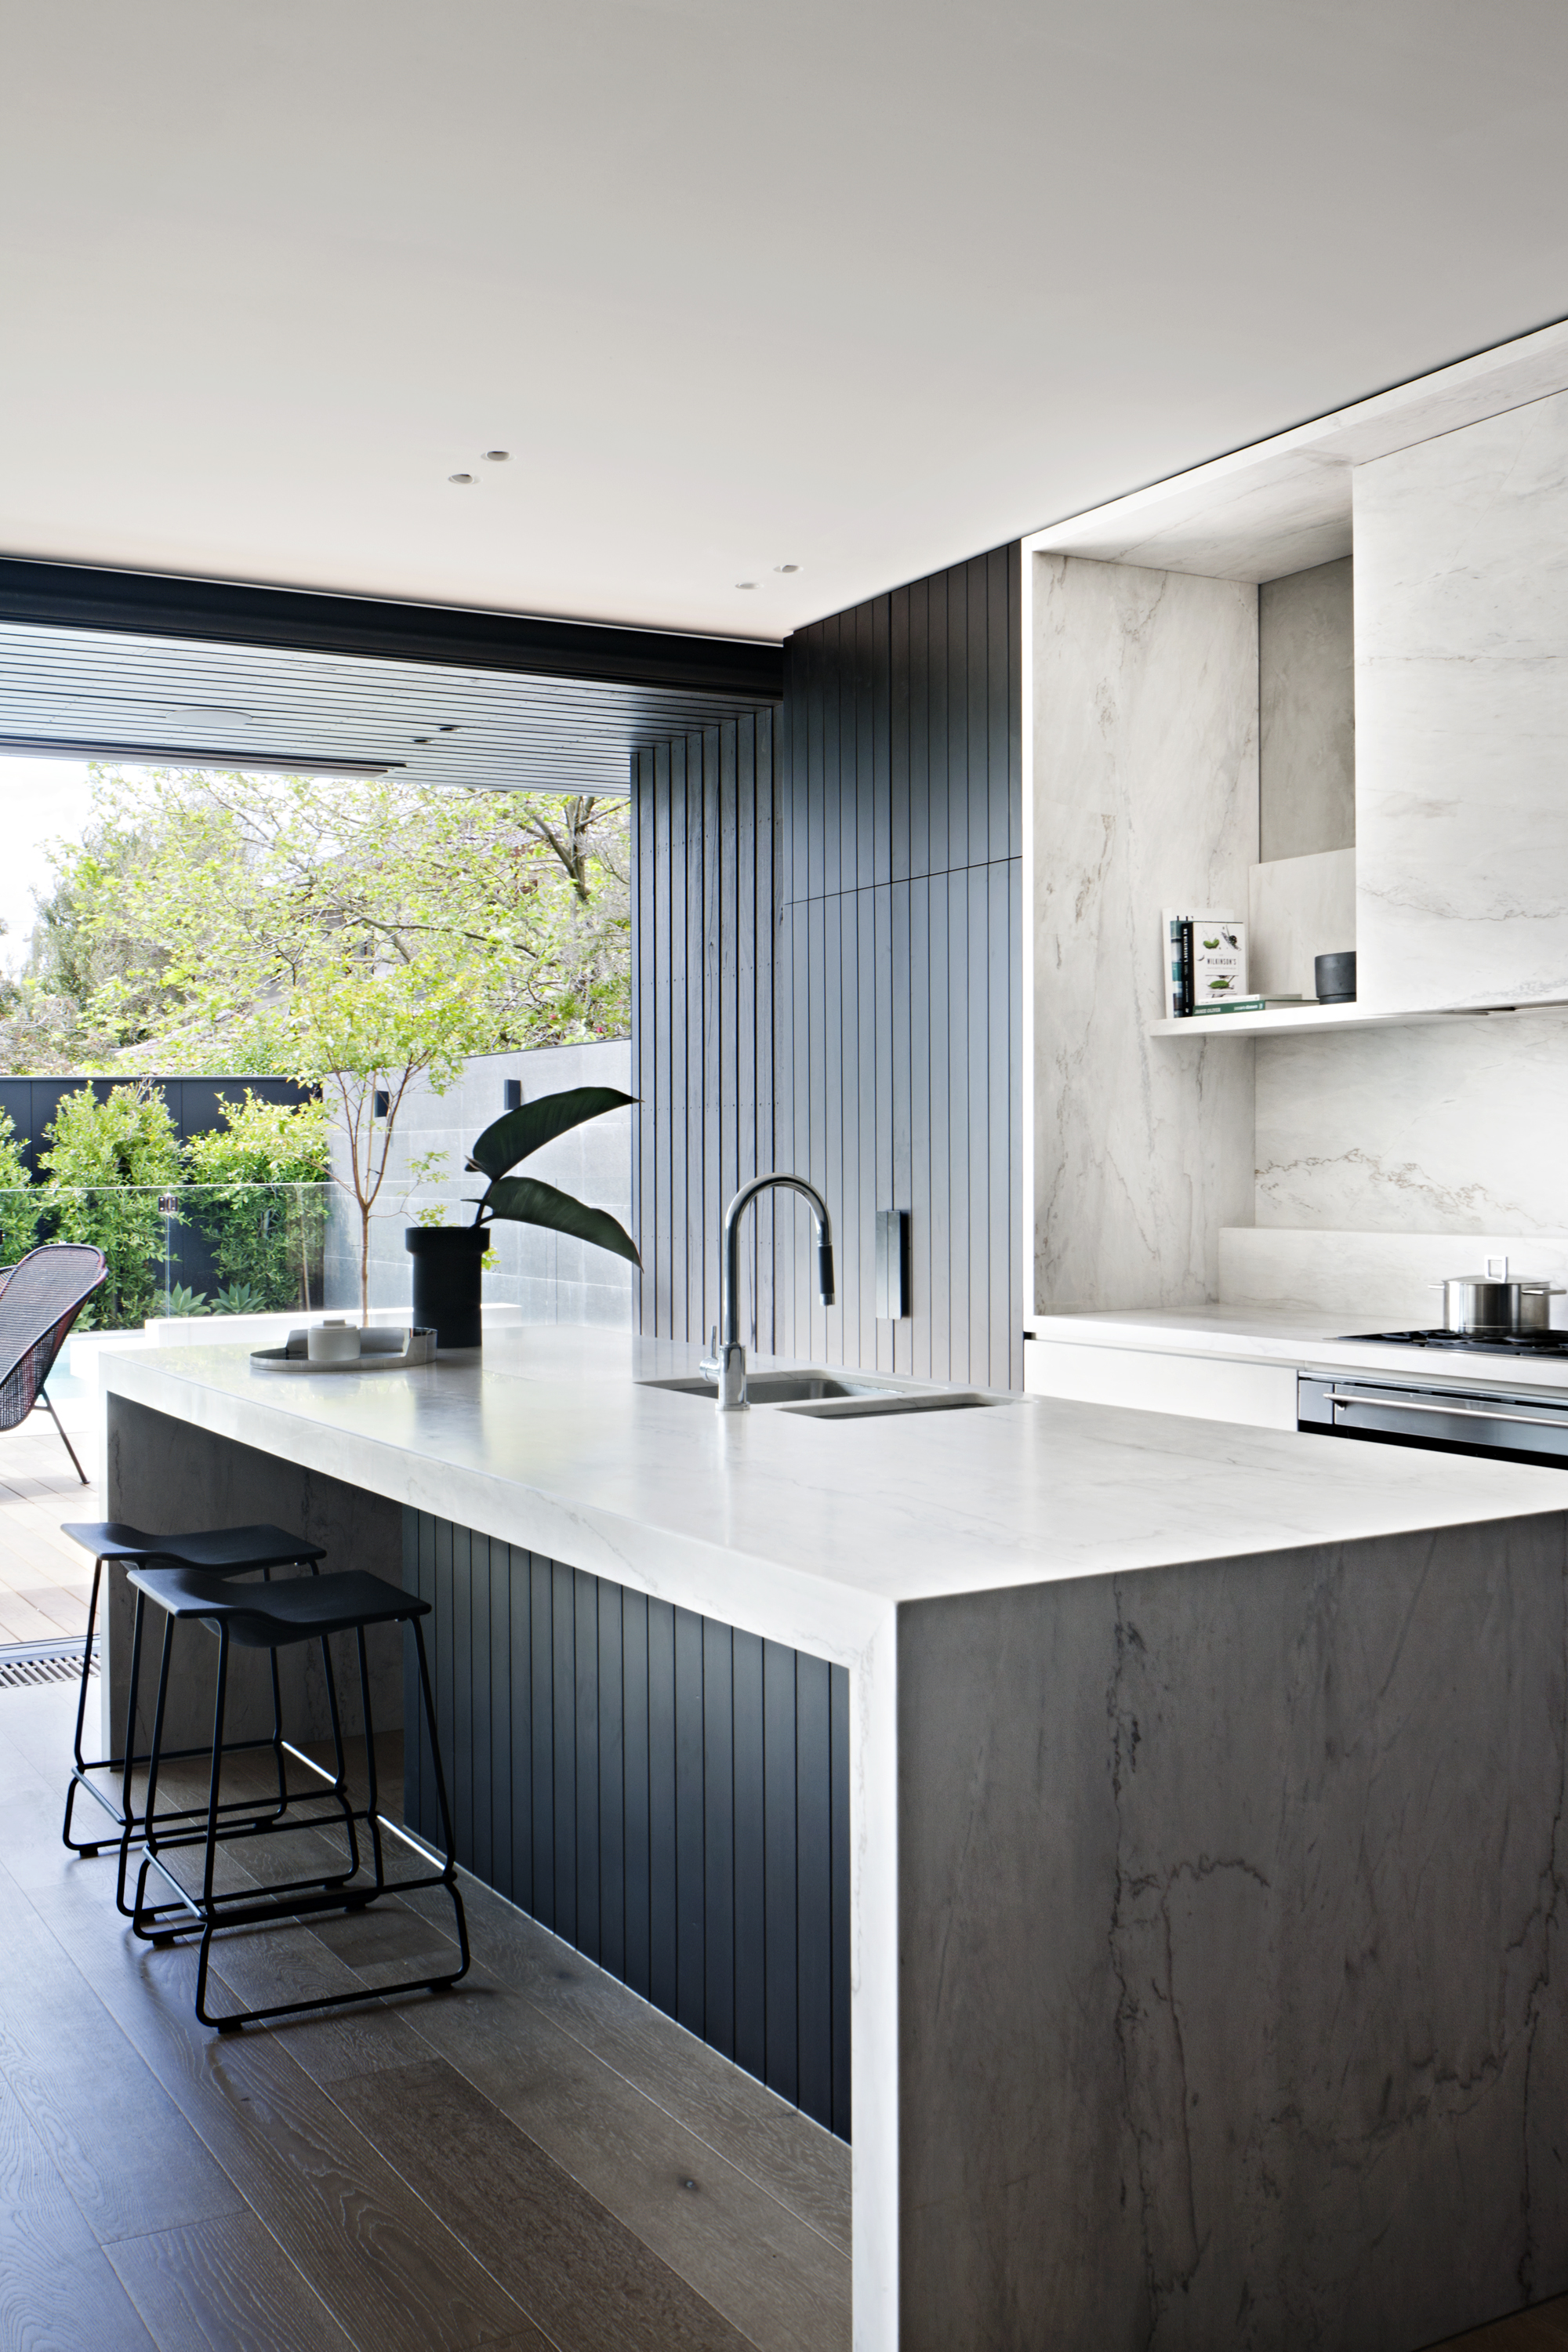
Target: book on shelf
1249,1004
1205,959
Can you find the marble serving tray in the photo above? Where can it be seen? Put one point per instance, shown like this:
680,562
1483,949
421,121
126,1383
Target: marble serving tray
381,1350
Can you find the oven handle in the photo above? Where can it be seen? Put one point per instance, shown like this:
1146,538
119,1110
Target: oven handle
1468,1411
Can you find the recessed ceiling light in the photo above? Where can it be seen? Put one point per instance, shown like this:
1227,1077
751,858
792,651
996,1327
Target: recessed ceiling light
448,727
497,457
422,739
786,567
745,583
459,478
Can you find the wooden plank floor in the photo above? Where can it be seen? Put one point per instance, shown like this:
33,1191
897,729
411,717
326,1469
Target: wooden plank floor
536,2160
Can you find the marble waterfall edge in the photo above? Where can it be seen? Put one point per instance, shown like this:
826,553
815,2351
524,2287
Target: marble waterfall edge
1259,2041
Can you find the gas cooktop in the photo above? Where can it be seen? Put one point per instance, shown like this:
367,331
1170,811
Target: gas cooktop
1472,1343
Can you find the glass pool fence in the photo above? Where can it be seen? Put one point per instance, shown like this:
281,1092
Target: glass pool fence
189,1249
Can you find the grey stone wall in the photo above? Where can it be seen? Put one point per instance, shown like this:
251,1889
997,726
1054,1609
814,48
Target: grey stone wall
548,1277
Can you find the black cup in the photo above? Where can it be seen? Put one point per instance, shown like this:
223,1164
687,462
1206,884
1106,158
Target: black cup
1333,977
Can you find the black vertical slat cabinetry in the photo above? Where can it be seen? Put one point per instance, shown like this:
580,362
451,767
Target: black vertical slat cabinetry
667,1794
828,978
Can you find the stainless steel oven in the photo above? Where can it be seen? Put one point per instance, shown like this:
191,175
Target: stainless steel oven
1471,1420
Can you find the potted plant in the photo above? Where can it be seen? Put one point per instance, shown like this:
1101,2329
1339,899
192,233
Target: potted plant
447,1258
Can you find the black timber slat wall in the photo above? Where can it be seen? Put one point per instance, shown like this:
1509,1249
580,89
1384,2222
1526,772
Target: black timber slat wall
666,1793
883,1008
704,907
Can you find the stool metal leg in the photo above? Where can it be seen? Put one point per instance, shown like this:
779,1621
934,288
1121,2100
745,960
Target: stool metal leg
372,1806
127,1805
81,1767
340,1788
150,1832
448,1840
214,1912
123,1813
212,1814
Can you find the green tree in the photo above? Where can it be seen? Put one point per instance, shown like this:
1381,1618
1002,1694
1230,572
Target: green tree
257,1193
107,1161
20,1207
365,1035
359,935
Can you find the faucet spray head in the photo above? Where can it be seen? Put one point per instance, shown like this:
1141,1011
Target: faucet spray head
825,1272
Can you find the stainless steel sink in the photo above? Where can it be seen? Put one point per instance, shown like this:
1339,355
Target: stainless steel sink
831,1396
775,1388
885,1402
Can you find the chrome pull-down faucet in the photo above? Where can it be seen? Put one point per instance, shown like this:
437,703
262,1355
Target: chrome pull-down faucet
728,1364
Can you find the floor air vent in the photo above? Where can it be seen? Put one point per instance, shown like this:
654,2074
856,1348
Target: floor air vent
26,1663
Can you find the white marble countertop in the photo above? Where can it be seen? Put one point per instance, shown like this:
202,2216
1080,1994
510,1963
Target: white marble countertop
804,1529
1269,1335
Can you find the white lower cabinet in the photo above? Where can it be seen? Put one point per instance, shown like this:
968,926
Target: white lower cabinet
1207,1388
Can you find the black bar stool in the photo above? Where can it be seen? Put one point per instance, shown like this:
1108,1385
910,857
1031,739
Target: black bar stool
273,1617
223,1551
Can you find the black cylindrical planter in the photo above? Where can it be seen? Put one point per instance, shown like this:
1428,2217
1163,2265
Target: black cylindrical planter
1333,977
446,1281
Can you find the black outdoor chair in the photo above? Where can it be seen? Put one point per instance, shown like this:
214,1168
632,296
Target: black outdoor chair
40,1297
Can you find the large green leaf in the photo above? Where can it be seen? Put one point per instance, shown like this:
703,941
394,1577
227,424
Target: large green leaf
518,1133
524,1200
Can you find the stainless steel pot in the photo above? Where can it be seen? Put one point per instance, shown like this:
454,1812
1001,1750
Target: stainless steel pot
1535,1305
1496,1301
1472,1303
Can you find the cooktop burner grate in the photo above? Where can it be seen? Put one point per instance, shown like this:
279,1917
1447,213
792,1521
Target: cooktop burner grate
1473,1343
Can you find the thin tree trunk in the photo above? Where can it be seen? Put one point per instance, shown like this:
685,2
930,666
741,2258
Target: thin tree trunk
365,1265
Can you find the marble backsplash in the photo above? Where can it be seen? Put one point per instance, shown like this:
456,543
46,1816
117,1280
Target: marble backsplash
1387,1159
1378,1281
1457,1127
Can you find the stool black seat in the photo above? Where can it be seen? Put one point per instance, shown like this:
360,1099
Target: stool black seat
232,1551
259,1545
271,1617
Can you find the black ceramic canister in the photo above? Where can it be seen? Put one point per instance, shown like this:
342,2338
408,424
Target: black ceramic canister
1333,977
447,1281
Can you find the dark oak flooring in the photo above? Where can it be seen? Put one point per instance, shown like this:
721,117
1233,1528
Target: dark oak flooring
537,2159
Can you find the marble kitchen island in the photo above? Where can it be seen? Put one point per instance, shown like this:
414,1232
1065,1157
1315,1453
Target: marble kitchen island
1203,1788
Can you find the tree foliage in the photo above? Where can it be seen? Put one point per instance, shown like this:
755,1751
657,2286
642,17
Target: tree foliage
257,1195
19,1208
354,935
106,1163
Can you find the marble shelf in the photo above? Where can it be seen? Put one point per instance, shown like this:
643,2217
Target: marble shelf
1316,1016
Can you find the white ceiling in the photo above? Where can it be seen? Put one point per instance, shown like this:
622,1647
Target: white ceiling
865,286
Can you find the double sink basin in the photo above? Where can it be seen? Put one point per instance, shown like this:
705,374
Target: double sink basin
835,1396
